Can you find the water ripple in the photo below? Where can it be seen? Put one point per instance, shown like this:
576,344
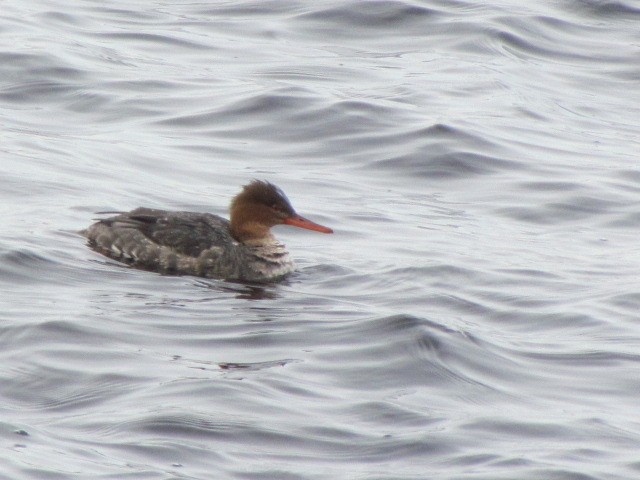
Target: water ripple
473,316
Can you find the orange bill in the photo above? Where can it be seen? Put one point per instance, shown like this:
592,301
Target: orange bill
298,221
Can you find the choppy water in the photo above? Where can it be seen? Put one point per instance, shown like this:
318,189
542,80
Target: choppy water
476,314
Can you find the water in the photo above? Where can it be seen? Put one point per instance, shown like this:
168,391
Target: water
474,316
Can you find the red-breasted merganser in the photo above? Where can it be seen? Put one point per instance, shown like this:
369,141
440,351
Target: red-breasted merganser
202,244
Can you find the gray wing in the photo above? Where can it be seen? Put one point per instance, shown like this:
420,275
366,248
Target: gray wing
187,233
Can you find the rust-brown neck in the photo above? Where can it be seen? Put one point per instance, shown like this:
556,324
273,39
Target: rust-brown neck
250,223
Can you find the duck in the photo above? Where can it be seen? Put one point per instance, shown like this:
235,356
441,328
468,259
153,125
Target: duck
202,244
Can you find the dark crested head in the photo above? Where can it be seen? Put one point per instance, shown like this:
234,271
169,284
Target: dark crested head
259,192
261,205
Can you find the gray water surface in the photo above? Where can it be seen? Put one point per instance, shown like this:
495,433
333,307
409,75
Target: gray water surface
474,316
